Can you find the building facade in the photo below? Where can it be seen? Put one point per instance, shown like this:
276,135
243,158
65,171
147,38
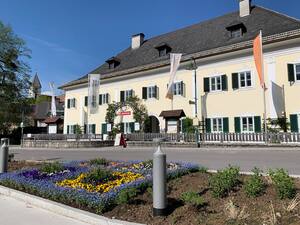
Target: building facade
222,81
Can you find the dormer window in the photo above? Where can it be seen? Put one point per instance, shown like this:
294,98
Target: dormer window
236,29
163,49
113,62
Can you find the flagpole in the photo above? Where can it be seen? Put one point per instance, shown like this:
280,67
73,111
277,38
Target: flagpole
264,86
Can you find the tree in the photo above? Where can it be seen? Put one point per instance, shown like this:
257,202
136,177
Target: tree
14,79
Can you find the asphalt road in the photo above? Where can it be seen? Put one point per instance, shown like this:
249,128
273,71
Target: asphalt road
212,158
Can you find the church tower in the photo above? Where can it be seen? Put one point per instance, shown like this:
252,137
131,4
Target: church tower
36,87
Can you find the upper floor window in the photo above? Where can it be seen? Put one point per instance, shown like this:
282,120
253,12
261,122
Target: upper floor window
242,80
163,49
236,33
297,72
150,92
236,29
215,83
178,88
103,99
71,103
124,95
113,62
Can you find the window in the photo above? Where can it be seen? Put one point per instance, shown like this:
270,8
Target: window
217,125
163,49
297,72
128,94
71,103
245,79
178,88
113,62
103,99
216,83
236,33
127,128
247,124
151,92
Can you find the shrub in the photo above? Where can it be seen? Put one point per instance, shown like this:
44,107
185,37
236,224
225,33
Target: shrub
126,195
224,181
255,185
98,175
99,161
52,167
284,184
192,198
203,169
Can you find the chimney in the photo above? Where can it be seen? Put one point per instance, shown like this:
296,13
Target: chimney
137,40
245,7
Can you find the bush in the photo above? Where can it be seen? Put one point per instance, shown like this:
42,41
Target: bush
126,195
192,198
99,161
255,186
52,167
97,176
284,184
224,181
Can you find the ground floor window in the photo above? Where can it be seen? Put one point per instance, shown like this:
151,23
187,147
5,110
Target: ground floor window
247,124
127,127
217,125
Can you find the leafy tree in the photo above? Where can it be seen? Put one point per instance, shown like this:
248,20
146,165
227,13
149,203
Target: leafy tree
187,125
14,78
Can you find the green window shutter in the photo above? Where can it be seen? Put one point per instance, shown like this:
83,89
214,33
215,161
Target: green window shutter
182,88
74,104
100,99
294,123
144,93
291,73
207,125
156,92
85,129
122,127
93,128
237,124
183,121
122,96
85,100
226,125
104,128
235,81
257,124
107,98
68,129
224,83
69,103
131,125
206,84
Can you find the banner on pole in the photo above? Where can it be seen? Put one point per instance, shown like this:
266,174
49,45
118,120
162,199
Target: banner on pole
93,92
53,106
258,58
175,62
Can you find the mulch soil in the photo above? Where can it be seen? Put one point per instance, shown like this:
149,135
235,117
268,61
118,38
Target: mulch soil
251,211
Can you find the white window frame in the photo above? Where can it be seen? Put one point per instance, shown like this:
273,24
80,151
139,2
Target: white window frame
128,94
240,81
127,128
215,80
151,92
72,102
237,33
177,88
295,72
217,123
104,98
72,129
247,124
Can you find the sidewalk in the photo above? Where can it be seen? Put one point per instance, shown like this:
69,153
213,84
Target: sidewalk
14,212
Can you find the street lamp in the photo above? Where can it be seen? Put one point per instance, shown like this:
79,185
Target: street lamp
193,67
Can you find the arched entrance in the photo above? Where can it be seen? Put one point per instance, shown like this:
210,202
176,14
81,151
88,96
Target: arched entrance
153,125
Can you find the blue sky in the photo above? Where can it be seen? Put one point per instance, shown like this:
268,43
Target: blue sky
69,38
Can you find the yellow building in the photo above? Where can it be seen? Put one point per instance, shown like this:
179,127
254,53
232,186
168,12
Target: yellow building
224,84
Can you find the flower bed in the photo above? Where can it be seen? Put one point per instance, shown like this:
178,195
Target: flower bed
89,185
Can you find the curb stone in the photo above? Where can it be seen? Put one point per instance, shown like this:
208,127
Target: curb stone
62,209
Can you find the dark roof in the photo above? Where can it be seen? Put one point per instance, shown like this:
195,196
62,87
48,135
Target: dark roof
42,109
36,81
198,38
172,113
50,120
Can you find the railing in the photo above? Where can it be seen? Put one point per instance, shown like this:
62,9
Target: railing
280,138
63,137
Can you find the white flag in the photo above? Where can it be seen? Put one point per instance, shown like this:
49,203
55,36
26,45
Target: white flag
93,91
53,106
175,62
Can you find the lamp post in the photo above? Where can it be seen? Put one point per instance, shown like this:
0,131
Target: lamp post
194,67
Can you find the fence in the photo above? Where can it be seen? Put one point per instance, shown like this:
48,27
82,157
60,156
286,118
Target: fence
50,137
280,138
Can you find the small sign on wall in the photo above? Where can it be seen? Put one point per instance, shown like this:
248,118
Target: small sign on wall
108,127
136,126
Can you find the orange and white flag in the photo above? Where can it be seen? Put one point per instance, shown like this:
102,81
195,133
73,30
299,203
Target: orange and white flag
175,62
258,58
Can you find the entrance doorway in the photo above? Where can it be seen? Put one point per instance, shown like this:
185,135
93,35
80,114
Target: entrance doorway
153,126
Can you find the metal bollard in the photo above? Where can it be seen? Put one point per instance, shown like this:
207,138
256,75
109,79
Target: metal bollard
159,182
4,155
